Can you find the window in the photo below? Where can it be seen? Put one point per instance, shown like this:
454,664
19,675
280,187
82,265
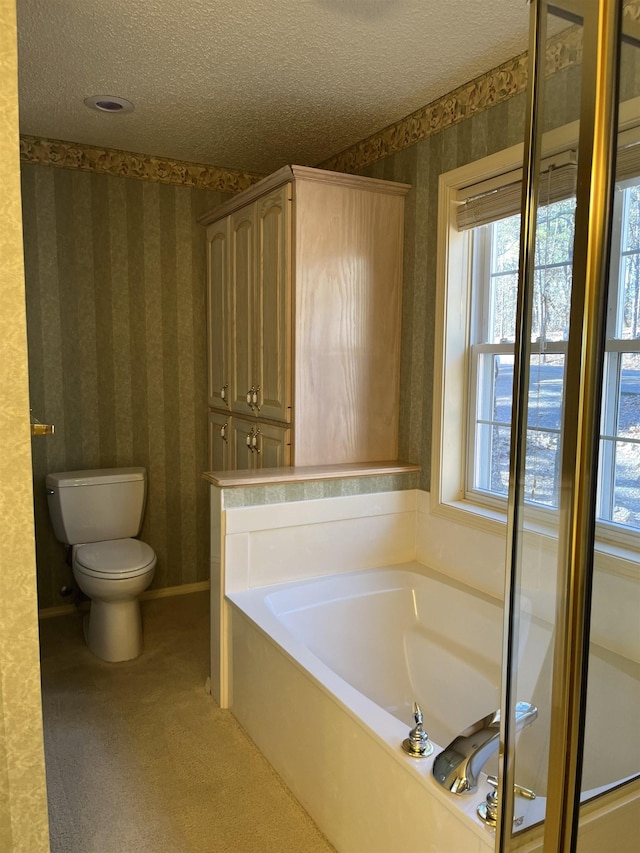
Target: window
491,349
478,253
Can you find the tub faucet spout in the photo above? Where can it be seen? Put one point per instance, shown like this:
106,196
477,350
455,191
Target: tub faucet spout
458,766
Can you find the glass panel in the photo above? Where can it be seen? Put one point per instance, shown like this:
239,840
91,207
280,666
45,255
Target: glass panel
552,283
611,751
502,325
631,234
505,241
629,403
612,743
552,608
546,385
494,476
541,472
493,425
626,499
535,484
629,314
506,245
619,499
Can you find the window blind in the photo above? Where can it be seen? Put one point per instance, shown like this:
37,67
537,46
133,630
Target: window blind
628,162
500,197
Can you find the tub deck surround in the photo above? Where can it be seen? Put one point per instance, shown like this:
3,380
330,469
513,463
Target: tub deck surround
335,664
306,474
352,775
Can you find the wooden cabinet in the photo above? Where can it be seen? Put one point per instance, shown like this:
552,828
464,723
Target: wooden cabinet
305,281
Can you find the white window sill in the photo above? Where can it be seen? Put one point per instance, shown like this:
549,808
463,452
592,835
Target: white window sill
615,558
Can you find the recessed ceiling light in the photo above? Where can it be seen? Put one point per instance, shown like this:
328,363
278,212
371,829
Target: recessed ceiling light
109,104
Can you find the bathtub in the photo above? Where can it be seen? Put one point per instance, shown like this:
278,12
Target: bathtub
323,677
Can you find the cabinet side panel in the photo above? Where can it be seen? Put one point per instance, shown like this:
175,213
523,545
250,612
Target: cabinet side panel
348,301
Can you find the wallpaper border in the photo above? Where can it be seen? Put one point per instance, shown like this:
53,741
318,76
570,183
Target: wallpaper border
488,90
127,164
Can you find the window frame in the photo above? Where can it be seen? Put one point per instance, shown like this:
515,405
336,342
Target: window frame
454,392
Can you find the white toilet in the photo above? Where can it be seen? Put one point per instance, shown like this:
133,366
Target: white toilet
97,512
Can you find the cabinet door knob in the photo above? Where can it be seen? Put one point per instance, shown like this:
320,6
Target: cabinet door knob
254,440
223,392
223,431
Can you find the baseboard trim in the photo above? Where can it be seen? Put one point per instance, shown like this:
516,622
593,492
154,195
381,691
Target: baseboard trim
164,592
168,591
60,610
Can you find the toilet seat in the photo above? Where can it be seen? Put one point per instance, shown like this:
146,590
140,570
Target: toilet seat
115,558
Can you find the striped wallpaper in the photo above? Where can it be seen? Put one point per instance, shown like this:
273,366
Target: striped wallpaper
115,289
115,272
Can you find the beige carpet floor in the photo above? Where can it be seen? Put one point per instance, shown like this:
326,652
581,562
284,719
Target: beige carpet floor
141,760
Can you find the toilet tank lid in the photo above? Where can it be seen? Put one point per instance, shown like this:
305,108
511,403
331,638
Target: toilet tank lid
94,477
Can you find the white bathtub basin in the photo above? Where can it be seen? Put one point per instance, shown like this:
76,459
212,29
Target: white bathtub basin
324,676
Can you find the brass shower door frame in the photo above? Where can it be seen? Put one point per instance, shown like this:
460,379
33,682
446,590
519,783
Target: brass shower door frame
601,22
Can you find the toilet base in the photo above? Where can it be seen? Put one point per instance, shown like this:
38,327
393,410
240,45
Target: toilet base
113,630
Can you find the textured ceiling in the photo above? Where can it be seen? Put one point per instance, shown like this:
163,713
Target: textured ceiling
250,84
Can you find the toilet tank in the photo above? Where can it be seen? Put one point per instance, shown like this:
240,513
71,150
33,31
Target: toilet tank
96,505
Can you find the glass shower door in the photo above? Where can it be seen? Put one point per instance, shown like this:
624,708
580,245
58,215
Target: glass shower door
572,642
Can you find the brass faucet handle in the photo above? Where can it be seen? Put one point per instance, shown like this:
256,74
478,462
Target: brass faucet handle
518,790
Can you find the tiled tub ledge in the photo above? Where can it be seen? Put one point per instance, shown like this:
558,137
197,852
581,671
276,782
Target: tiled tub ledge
293,474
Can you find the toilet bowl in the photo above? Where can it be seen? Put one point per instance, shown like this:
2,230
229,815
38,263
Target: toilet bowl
113,574
98,513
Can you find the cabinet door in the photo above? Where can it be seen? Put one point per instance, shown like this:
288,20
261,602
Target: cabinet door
219,313
221,456
271,446
242,439
242,275
273,321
